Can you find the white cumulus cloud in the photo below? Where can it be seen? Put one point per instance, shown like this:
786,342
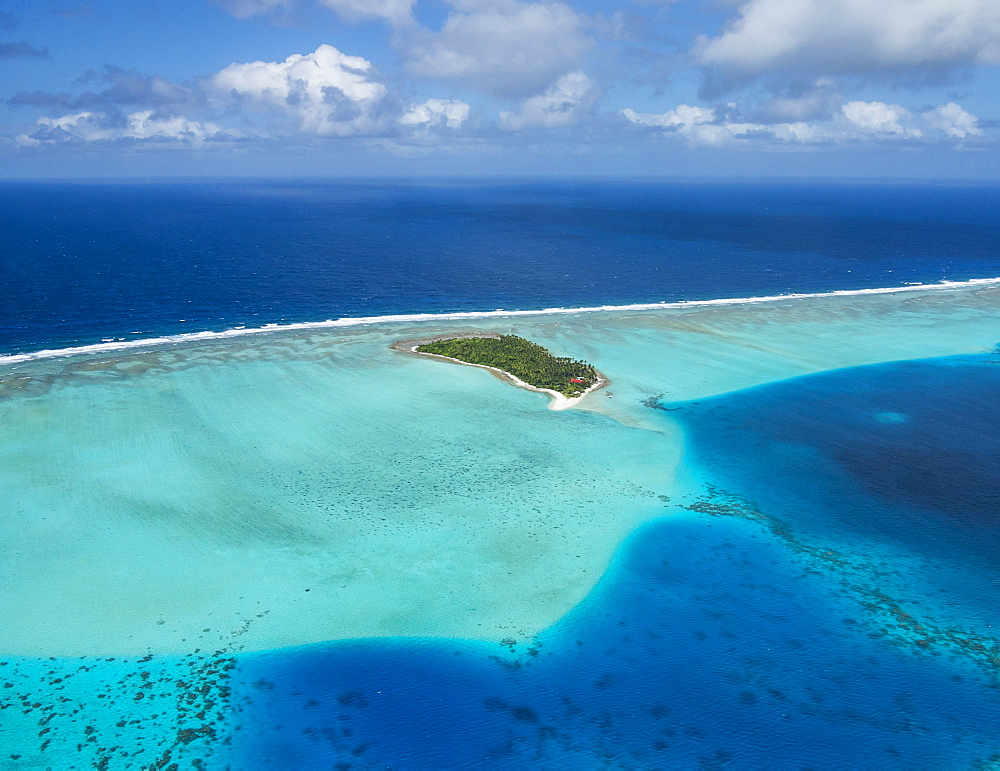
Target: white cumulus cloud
562,104
78,123
512,49
703,127
953,121
436,112
144,125
879,118
682,115
857,37
854,121
328,92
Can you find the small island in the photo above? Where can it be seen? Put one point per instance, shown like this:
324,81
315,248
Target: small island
519,361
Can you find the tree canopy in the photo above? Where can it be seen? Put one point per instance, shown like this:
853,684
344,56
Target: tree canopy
521,358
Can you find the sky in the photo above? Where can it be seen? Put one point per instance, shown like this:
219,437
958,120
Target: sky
659,88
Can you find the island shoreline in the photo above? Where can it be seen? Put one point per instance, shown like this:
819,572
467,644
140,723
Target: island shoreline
557,401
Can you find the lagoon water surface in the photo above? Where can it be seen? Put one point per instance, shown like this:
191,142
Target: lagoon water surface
771,541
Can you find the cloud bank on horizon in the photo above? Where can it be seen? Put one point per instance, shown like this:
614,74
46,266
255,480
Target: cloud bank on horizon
462,79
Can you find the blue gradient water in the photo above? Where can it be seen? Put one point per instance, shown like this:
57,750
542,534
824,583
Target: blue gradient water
812,579
706,646
903,456
84,262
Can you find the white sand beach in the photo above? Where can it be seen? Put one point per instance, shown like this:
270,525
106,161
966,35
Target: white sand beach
557,401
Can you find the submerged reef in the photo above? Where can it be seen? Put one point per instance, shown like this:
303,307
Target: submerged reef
861,579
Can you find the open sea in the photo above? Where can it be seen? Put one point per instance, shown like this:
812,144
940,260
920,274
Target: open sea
239,531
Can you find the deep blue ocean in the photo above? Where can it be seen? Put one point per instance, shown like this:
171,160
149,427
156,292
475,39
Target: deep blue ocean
706,646
780,620
80,263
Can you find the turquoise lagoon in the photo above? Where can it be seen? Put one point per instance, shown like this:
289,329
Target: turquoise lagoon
300,548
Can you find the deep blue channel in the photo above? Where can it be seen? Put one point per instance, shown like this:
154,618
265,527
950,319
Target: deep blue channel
726,634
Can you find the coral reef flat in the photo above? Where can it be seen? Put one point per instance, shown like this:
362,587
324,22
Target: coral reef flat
219,550
307,486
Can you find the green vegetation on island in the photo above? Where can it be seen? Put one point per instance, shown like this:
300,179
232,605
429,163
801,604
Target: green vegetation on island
521,358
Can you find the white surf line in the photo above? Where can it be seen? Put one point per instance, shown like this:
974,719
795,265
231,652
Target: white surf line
559,401
124,345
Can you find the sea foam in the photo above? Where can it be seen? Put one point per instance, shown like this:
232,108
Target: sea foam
188,337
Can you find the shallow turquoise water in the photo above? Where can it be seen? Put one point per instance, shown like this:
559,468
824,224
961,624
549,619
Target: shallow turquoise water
194,512
337,487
